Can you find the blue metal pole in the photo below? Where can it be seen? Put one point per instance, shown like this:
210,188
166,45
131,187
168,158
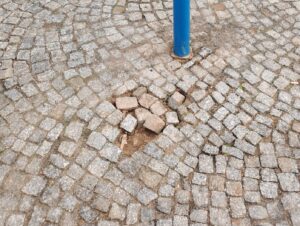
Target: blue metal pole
181,27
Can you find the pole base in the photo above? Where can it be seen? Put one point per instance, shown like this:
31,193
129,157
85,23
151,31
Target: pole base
187,57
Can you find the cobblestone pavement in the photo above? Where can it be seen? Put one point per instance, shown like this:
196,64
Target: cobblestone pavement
228,154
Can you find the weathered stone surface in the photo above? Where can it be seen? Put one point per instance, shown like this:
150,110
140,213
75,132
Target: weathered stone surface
199,215
35,186
217,183
108,223
146,100
232,151
6,73
234,188
288,182
175,100
269,189
141,114
219,199
74,130
133,211
96,140
88,214
238,207
110,152
165,205
150,178
172,117
110,132
288,165
145,196
206,164
258,212
180,221
219,217
295,213
129,123
16,219
105,109
117,212
67,148
154,123
98,167
101,203
173,133
158,108
126,103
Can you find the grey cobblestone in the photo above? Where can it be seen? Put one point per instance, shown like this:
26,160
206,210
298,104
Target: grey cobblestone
117,212
96,140
219,217
35,186
98,167
145,196
289,182
258,212
129,123
206,164
133,213
88,214
74,130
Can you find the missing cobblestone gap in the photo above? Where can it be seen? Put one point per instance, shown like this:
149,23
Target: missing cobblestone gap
145,116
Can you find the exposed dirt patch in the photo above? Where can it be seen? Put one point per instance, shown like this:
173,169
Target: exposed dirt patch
143,133
133,142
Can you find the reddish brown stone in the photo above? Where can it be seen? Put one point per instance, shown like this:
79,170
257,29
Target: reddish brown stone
154,123
126,103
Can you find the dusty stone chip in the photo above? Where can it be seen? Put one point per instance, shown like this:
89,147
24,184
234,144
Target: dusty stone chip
146,100
126,103
175,100
154,123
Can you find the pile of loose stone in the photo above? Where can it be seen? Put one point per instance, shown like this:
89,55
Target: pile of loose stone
144,109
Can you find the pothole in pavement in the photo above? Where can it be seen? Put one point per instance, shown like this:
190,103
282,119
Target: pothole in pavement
145,114
145,117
